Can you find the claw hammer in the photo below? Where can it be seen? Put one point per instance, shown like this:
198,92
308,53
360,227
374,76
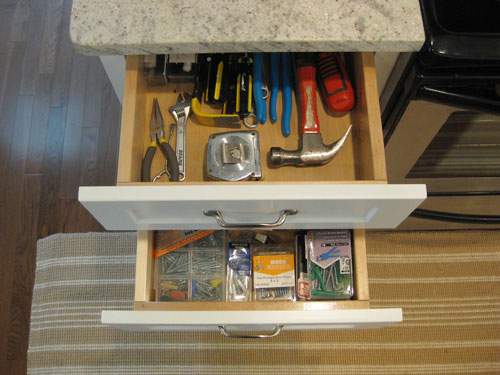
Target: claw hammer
312,150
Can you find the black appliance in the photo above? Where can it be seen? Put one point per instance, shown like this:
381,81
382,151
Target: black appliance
441,116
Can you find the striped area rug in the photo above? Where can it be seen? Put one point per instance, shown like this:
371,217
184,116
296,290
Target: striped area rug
448,284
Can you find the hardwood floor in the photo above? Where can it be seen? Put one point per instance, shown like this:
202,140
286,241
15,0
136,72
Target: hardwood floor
59,129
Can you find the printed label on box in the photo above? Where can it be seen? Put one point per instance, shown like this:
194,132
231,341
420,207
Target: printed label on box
329,246
345,265
273,271
239,258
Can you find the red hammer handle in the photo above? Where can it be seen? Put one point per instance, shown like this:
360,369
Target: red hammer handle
307,89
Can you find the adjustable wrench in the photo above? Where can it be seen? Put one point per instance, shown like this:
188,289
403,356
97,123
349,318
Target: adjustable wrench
180,111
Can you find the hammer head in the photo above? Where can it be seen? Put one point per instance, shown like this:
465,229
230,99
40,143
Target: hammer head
312,151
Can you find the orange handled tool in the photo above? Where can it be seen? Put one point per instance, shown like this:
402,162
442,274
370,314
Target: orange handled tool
335,83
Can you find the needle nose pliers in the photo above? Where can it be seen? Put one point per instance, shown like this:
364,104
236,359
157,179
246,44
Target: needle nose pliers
158,140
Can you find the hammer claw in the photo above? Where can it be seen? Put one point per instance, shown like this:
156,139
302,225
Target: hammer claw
311,152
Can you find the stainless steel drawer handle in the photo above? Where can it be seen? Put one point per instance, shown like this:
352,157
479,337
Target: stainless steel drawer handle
220,220
276,332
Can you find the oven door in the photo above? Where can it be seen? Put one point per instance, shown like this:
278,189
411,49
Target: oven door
456,153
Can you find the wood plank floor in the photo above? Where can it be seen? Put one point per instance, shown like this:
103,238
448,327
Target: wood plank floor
59,129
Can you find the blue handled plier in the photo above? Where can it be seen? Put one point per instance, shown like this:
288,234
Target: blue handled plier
286,77
260,104
275,82
286,72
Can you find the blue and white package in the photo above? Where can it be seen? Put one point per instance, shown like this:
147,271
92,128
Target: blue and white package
239,271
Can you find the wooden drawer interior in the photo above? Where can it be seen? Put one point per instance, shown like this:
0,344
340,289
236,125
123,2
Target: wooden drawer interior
145,294
361,160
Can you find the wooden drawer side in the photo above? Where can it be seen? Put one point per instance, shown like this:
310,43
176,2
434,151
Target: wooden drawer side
361,289
144,290
367,124
133,121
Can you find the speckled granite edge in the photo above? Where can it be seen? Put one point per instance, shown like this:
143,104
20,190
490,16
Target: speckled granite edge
339,46
125,27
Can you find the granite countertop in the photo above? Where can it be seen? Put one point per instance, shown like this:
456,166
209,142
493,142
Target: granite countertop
103,27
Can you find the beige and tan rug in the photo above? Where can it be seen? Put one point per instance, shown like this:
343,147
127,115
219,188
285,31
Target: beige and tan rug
448,284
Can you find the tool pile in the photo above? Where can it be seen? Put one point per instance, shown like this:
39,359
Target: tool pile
231,89
239,266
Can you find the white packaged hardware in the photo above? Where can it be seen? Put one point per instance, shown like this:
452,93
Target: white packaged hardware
330,264
274,275
239,271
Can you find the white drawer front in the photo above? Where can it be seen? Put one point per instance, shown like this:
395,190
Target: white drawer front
250,320
318,206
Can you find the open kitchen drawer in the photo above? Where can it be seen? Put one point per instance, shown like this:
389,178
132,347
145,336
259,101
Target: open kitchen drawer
229,317
350,191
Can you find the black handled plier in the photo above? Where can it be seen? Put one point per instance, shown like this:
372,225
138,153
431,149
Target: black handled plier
158,140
